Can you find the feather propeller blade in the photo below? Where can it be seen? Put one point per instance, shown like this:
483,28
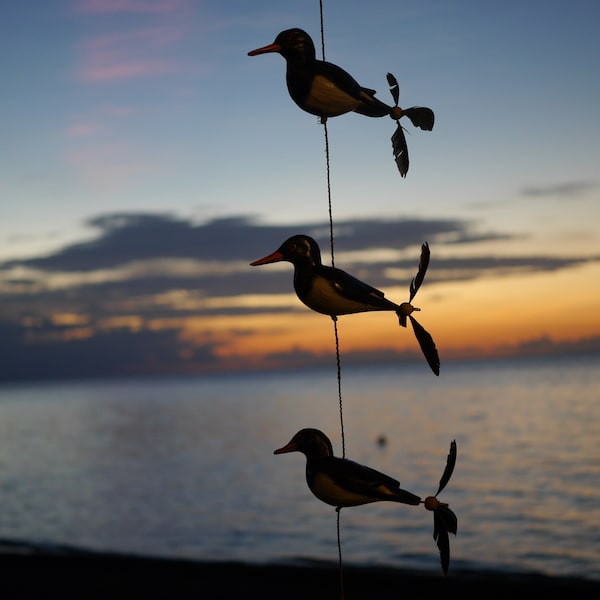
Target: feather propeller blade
451,461
440,535
394,88
427,345
423,264
400,150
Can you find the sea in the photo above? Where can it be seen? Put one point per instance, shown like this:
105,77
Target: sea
183,466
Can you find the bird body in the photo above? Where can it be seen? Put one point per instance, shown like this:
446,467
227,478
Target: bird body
326,290
341,482
326,90
332,291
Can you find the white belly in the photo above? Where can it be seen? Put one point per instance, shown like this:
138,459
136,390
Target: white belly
328,100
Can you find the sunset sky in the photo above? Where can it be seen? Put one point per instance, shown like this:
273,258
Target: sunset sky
146,160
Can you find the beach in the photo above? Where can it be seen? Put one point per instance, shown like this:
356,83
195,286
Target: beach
69,574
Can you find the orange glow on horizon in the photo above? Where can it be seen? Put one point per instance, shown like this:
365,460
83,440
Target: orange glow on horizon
486,317
481,316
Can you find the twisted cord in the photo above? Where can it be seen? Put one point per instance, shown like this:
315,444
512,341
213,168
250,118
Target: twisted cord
334,318
339,510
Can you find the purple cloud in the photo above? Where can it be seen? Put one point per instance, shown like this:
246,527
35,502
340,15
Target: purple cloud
130,6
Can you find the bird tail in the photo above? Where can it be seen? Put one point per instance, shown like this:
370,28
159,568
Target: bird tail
406,497
371,106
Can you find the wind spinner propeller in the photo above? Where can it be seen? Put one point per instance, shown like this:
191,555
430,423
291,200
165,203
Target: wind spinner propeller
444,520
406,309
420,116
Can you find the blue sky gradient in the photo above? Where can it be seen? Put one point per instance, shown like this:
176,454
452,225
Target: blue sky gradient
121,114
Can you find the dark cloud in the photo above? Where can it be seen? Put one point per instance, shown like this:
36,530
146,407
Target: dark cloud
114,353
546,347
172,259
145,239
127,237
569,189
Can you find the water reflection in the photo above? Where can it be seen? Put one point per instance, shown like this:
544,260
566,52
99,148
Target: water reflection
185,466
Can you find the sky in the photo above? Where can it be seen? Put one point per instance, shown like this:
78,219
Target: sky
146,160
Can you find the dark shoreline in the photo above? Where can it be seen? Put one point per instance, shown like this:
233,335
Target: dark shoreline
97,575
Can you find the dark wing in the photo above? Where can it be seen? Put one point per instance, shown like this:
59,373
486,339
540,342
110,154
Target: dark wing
354,289
415,284
364,480
356,477
451,461
343,79
427,345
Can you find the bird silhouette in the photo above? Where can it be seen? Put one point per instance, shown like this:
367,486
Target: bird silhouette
331,291
341,482
326,90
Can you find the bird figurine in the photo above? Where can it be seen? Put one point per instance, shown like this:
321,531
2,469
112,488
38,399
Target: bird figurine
326,90
331,291
341,482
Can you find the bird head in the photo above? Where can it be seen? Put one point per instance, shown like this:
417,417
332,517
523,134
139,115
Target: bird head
313,443
299,249
295,45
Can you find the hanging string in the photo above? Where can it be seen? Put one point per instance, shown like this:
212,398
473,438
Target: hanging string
322,29
339,510
331,243
339,380
335,327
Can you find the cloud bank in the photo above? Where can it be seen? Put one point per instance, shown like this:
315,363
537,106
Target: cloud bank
124,301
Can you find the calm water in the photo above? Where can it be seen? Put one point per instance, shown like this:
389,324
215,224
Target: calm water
184,467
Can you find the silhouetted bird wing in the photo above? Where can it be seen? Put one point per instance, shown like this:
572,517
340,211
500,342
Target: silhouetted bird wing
354,289
427,345
364,480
